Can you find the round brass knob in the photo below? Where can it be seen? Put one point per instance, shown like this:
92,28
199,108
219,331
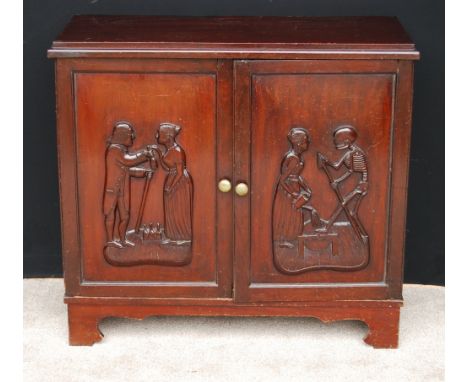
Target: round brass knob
224,185
242,189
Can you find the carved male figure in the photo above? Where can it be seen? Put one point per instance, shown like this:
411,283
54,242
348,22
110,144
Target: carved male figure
355,161
119,168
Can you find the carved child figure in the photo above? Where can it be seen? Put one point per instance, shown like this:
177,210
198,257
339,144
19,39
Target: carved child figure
119,168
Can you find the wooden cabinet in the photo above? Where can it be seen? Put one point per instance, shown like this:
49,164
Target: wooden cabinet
233,166
121,210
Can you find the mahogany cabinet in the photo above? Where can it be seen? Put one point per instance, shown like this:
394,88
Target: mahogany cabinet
233,166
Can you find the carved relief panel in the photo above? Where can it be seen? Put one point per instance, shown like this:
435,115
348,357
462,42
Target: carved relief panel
148,142
167,242
318,172
302,239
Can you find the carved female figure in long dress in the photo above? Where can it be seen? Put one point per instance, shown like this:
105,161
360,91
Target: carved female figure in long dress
178,187
292,192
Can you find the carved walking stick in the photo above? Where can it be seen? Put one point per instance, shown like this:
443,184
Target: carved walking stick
149,175
356,226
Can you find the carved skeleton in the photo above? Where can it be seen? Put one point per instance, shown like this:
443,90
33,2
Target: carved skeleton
355,161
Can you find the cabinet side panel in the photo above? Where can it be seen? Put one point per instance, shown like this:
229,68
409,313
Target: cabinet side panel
67,177
400,171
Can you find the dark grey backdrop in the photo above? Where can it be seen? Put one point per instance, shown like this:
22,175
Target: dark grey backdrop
424,21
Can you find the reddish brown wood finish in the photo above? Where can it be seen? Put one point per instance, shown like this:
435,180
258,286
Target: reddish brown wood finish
318,95
382,318
153,82
230,37
364,32
235,110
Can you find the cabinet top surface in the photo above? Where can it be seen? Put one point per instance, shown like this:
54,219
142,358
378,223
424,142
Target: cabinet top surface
235,34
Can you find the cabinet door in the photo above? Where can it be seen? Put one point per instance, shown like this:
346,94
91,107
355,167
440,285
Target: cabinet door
323,149
142,147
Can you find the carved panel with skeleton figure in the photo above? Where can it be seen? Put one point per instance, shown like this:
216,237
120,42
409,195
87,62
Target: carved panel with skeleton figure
302,240
317,210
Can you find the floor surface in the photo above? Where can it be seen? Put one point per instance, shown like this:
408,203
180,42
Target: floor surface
230,349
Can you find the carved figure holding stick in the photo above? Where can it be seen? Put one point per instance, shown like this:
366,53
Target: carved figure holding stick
120,167
355,161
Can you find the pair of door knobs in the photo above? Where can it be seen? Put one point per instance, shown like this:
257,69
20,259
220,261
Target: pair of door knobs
241,189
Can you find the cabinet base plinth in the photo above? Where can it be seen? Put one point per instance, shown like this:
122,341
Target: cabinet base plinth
382,317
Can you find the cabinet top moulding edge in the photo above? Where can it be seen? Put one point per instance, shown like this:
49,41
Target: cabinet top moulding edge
234,37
